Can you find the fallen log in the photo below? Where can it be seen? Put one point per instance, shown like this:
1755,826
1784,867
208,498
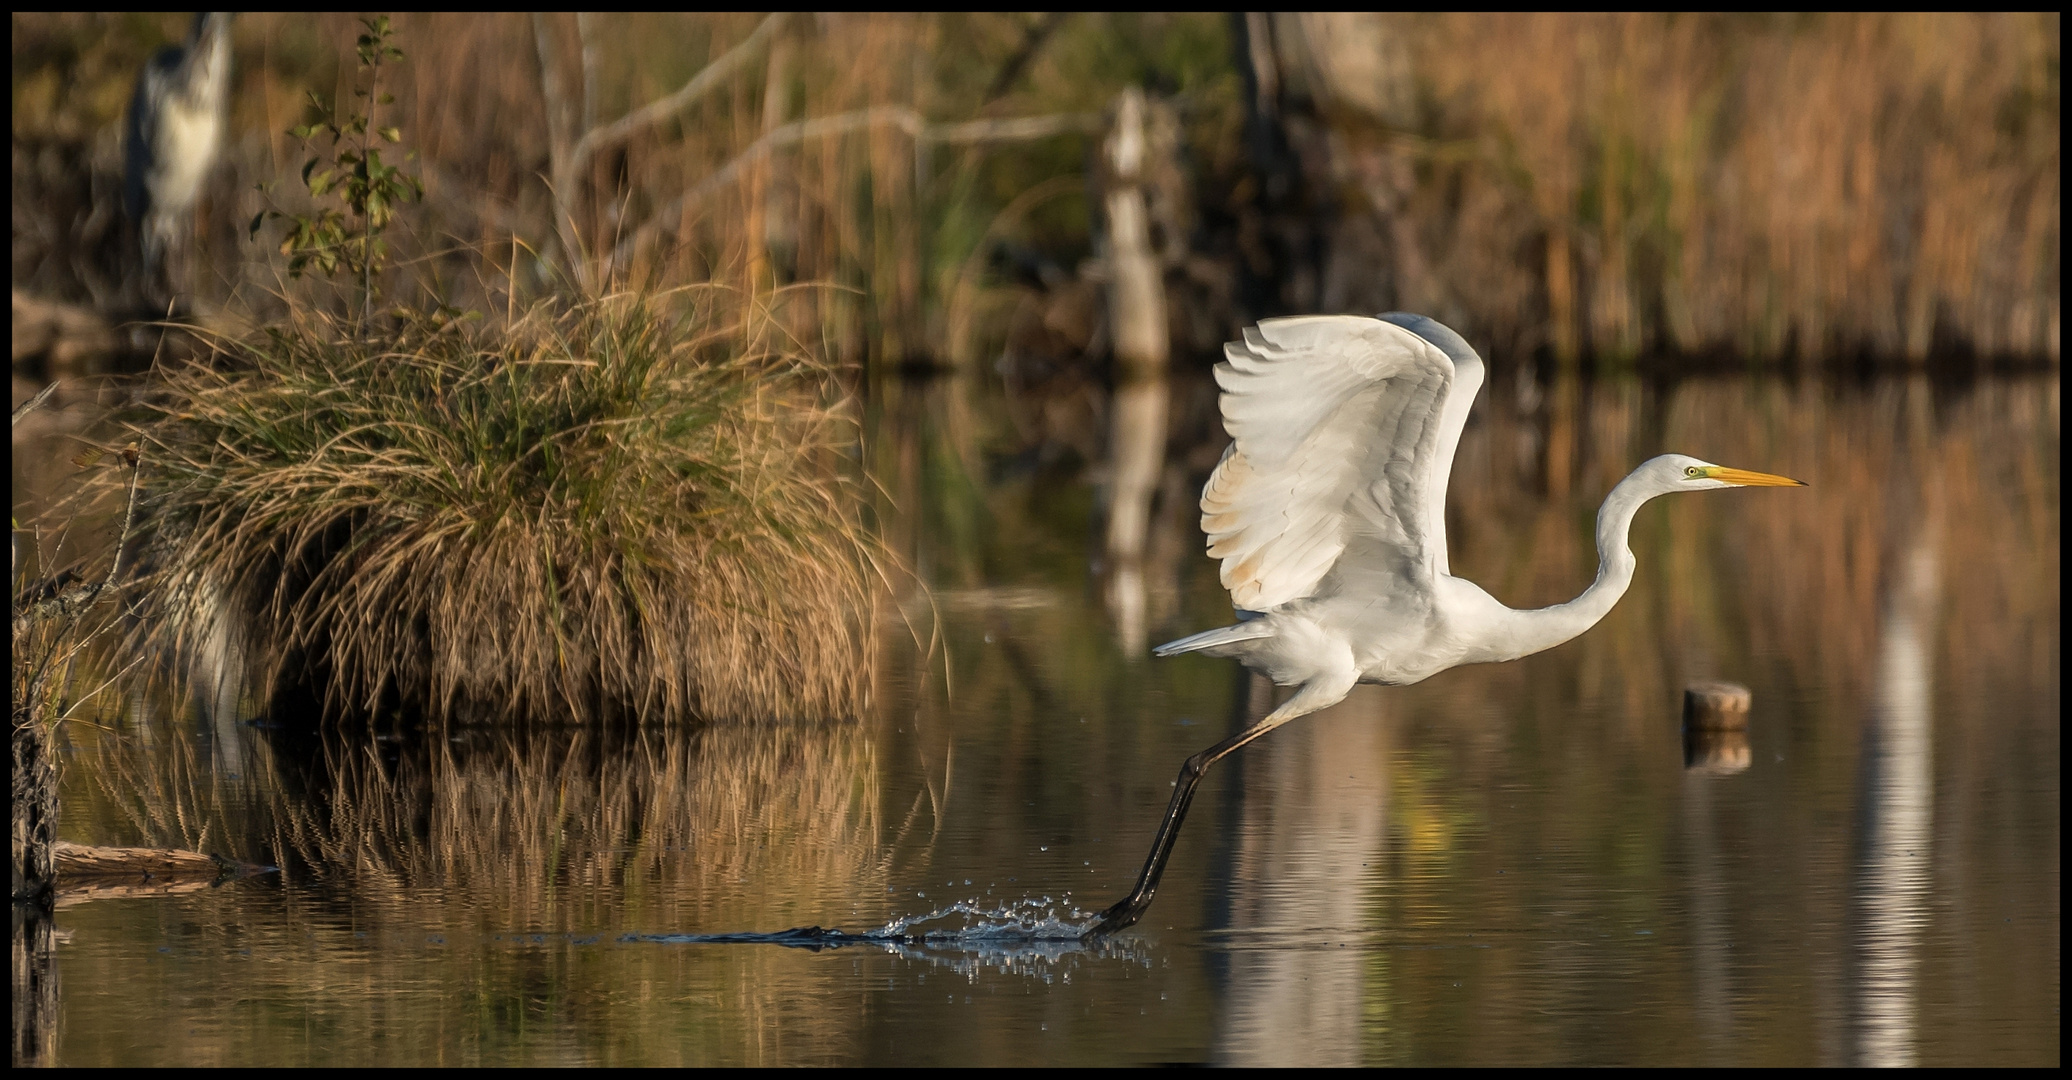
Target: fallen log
81,863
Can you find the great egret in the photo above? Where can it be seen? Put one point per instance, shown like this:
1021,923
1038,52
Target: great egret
1328,511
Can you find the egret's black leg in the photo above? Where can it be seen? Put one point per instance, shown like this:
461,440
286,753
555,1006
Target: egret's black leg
1131,907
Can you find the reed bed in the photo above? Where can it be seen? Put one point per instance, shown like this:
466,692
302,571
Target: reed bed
634,507
1590,186
1854,185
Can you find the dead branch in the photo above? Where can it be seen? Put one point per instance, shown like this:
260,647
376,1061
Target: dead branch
963,133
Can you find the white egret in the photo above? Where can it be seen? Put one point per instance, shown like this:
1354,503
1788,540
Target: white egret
1328,511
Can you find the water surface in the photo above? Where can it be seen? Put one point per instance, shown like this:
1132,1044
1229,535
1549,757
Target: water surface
1504,865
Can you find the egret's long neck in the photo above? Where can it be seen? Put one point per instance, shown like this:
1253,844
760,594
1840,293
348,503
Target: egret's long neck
1544,628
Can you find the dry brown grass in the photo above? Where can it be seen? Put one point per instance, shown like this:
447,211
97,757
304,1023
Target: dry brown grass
1592,185
637,507
1765,186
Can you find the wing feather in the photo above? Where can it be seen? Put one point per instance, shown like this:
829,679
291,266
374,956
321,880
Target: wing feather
1335,422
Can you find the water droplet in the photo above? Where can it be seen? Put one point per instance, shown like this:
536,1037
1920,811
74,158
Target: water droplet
1043,847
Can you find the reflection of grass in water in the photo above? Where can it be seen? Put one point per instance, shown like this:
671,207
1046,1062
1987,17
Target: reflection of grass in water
563,829
512,861
546,821
635,507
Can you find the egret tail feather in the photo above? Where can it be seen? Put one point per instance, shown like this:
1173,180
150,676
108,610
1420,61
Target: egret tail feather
1209,639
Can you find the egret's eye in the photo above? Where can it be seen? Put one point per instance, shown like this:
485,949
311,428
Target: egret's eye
1694,472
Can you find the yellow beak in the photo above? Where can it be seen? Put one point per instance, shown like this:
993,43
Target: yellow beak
1752,479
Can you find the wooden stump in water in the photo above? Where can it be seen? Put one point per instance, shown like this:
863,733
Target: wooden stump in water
1716,706
1715,727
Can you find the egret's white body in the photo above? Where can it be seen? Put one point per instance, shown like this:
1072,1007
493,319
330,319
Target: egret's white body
1328,512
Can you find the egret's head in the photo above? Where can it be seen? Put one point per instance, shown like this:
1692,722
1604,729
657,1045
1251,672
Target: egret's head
1678,472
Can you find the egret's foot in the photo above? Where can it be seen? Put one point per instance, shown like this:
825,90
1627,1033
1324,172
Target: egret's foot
1117,918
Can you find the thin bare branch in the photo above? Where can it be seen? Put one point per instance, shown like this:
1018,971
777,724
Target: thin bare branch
34,403
700,84
963,133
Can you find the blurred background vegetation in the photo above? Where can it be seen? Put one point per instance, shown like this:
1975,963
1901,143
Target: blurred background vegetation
1582,194
1598,190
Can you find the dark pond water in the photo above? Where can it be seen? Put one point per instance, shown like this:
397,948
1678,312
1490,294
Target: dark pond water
1506,864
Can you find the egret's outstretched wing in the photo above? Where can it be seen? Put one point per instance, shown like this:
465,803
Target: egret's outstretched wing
1460,397
1337,426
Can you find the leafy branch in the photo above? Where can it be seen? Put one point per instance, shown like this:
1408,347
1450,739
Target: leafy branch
366,190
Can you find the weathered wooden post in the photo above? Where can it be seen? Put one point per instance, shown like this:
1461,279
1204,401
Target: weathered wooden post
1715,727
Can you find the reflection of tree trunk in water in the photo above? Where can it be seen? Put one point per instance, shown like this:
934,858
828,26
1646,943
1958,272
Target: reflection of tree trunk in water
35,989
34,952
1896,801
1313,814
1136,453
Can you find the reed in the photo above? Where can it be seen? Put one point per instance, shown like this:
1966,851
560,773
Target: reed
1875,185
634,506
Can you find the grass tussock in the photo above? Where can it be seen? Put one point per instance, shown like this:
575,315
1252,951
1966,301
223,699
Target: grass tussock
634,507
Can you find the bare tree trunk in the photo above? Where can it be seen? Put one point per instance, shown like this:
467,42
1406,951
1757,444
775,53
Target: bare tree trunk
564,113
35,812
1136,281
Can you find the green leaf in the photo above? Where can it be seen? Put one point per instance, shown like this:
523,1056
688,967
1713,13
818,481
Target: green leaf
385,99
391,134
